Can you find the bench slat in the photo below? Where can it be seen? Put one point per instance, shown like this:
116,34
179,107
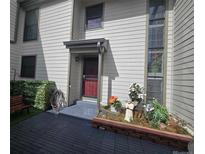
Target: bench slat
16,104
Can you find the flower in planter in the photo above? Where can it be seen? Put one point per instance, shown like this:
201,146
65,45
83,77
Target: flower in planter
112,99
115,103
136,93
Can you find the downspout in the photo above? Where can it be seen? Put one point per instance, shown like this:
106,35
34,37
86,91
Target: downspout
100,56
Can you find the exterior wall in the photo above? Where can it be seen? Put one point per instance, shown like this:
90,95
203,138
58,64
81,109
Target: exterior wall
55,22
169,34
76,77
14,53
13,15
125,27
183,61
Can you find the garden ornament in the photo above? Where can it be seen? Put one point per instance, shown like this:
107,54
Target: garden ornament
148,107
57,100
129,111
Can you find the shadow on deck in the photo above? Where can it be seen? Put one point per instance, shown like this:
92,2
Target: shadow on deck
50,133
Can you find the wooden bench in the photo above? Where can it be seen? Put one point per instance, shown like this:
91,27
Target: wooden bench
16,104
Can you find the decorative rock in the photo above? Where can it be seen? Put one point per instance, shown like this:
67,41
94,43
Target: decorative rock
129,111
162,126
148,107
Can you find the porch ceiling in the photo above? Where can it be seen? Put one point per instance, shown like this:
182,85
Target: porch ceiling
89,43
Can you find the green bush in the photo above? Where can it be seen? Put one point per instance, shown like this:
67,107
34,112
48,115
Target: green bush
36,93
158,115
16,88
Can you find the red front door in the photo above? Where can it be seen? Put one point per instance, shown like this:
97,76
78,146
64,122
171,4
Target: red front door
90,77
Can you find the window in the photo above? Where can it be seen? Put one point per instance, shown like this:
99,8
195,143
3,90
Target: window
156,36
155,50
154,88
155,58
31,26
28,66
156,9
94,16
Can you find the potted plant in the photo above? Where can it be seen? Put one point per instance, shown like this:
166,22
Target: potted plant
115,104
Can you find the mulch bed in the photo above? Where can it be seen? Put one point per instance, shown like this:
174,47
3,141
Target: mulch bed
172,134
139,119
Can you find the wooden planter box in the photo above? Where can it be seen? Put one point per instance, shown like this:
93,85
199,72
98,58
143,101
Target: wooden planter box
178,141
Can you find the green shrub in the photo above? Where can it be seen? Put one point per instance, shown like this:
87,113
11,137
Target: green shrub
16,88
36,93
158,115
106,107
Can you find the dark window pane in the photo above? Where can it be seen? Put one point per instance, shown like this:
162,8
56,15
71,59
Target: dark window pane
156,37
94,16
156,22
28,66
154,89
31,26
155,63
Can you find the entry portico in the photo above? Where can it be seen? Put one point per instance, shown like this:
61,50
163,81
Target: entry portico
85,48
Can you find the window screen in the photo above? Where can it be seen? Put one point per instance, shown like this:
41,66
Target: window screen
28,66
154,88
31,26
94,16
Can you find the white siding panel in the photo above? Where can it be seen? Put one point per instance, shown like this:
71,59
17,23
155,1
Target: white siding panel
13,16
125,27
14,52
55,21
169,67
183,61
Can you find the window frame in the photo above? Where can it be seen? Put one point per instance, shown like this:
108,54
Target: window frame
102,17
21,74
37,21
163,49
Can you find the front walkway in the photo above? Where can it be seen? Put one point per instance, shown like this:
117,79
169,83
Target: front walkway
82,109
58,134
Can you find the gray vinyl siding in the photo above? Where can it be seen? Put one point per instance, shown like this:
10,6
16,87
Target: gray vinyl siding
13,15
183,61
55,22
124,25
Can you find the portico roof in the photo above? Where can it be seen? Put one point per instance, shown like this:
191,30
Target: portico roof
87,43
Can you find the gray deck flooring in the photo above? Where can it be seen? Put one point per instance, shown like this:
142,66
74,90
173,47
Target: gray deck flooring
56,134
